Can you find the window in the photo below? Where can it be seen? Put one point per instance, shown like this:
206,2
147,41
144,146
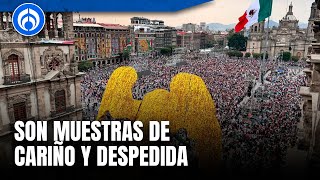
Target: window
255,29
60,101
13,65
20,113
54,65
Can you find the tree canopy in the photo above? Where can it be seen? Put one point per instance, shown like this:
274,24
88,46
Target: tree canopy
286,56
237,41
84,65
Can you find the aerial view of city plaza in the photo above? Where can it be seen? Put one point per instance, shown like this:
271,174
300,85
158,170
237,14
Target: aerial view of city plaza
266,92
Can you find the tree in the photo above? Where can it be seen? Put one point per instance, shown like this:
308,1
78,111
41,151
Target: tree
84,65
238,54
256,55
165,51
209,44
235,54
295,58
231,53
247,55
267,55
220,43
237,41
125,54
286,56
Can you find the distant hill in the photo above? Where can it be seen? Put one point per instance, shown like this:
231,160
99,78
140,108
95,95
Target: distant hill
220,27
224,27
271,24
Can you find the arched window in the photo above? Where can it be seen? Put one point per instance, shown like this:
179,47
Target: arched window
60,101
255,29
13,67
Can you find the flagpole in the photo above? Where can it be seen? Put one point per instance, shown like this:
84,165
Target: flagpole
262,67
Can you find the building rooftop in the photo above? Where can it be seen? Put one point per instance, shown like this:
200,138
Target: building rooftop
86,25
113,26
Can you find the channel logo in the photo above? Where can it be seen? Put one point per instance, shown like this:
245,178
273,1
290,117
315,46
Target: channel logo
28,19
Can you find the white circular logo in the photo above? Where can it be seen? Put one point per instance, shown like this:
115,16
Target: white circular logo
28,19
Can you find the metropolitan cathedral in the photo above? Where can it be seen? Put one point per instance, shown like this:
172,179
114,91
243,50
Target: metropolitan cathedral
287,37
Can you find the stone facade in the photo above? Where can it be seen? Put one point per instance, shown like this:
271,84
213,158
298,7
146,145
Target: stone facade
287,37
310,94
34,69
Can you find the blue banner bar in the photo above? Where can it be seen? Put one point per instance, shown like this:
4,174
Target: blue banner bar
104,5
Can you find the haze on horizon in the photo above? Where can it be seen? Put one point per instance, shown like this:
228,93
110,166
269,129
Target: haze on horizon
218,11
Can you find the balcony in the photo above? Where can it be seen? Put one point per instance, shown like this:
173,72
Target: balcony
19,79
55,114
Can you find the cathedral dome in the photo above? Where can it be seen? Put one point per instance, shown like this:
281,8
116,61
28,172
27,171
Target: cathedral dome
290,17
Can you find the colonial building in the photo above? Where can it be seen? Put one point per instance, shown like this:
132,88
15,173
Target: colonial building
150,35
288,37
99,42
189,40
39,78
311,92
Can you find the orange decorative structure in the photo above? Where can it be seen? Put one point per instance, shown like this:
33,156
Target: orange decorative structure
117,98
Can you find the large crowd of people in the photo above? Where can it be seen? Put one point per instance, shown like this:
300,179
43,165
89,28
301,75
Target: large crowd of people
256,132
266,125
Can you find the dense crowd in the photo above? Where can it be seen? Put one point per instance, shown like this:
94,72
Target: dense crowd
266,125
255,132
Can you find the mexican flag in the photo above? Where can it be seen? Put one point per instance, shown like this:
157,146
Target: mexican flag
150,44
257,12
129,46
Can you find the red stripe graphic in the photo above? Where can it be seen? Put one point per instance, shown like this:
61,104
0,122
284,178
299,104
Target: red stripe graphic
242,22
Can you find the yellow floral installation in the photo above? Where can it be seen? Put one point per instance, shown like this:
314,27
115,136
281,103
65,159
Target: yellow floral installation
154,106
192,108
188,105
117,98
